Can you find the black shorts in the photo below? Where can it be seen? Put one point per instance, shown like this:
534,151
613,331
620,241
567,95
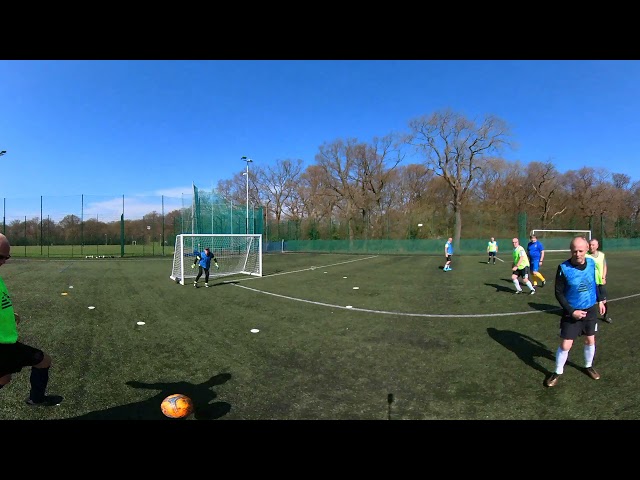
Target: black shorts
602,292
570,328
448,257
15,356
492,254
524,273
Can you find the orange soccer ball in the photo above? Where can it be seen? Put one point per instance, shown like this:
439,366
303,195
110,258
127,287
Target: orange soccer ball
177,406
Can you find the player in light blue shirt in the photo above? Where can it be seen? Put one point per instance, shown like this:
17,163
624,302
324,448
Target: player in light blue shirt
448,252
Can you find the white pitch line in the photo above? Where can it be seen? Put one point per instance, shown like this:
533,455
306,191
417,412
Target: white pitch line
430,315
384,312
302,270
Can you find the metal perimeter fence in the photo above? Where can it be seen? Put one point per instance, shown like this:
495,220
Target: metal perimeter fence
107,225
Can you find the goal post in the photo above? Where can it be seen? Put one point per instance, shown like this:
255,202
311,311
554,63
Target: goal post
558,240
235,253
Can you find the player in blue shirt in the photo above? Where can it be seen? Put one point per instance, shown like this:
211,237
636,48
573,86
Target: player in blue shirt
535,252
203,260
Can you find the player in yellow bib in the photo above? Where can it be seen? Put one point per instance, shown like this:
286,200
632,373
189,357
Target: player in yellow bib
601,275
520,268
492,250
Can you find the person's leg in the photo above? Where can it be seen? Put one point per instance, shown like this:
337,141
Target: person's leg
516,282
195,282
569,330
39,379
590,327
589,350
562,354
527,282
206,277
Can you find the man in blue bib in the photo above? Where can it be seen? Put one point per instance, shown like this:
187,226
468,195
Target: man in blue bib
578,295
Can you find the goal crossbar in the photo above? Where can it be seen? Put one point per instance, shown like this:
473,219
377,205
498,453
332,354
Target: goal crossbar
558,240
235,254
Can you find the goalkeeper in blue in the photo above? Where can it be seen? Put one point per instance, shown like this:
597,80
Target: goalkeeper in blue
203,260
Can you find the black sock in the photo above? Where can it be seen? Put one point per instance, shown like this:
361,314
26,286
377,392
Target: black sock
39,380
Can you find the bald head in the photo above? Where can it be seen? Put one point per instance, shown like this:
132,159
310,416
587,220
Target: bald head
579,247
5,249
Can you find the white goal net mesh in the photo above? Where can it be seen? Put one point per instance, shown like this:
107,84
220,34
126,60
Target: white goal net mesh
558,240
235,254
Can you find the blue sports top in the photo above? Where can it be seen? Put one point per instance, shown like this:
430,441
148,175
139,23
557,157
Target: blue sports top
535,249
580,285
205,260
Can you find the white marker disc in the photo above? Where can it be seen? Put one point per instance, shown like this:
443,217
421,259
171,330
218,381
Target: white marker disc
254,330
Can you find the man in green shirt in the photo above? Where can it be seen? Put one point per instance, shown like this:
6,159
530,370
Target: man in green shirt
520,268
15,355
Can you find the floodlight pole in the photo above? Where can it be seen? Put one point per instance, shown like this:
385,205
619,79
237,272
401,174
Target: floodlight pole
248,160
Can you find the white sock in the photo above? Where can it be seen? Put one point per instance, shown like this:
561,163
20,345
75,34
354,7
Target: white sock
517,284
561,359
528,284
589,353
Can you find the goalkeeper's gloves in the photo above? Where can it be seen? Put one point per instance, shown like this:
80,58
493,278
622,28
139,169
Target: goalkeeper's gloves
217,266
193,265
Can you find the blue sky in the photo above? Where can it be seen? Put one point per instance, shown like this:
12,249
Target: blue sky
152,127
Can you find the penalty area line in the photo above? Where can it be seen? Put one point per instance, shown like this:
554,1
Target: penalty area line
405,314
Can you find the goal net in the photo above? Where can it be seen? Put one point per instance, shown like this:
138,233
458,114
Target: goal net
235,253
559,240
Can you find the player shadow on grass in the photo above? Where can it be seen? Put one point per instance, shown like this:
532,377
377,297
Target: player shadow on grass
149,409
502,288
526,349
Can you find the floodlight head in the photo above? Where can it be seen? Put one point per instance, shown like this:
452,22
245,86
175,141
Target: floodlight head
3,152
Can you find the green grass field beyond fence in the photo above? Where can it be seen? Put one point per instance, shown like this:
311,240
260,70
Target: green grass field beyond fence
341,336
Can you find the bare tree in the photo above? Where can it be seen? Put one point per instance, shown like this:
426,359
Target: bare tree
543,178
276,184
374,170
452,146
589,190
338,162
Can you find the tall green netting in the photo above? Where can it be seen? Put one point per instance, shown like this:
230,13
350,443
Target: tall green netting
214,214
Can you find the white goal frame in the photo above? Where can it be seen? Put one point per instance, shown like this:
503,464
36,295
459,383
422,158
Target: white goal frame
236,253
574,233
